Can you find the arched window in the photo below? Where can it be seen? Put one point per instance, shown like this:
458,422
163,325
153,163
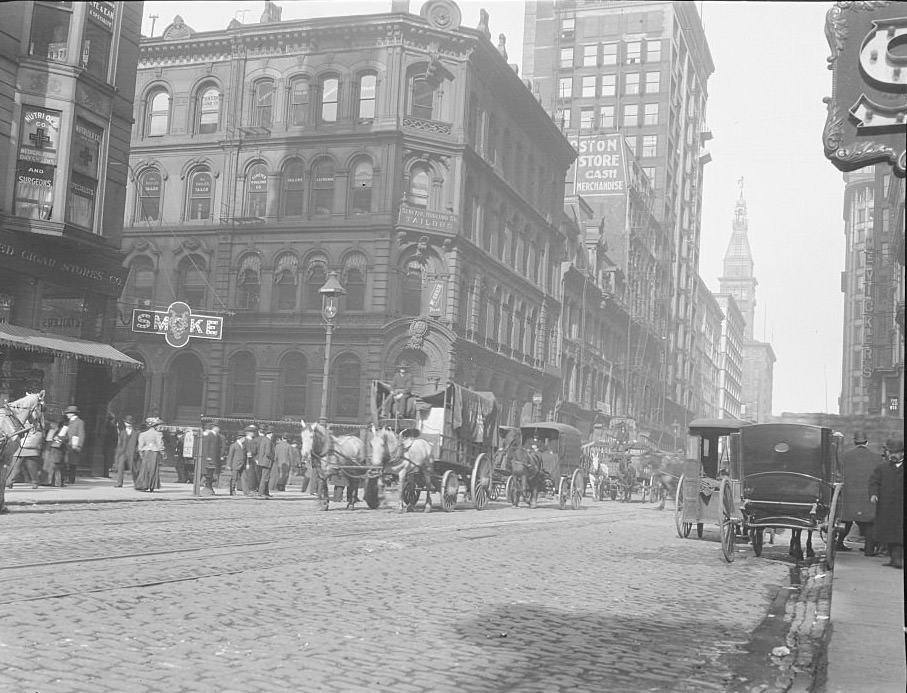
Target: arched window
347,386
354,281
286,279
421,97
329,108
190,281
299,102
248,282
208,109
158,114
530,347
361,188
293,188
367,92
263,103
519,344
257,191
411,288
419,186
142,288
241,385
149,196
316,276
491,227
185,382
293,375
200,193
322,188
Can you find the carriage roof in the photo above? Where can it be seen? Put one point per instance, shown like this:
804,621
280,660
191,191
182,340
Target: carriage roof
719,426
787,447
569,448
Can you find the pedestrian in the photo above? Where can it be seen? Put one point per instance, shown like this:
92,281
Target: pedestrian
29,456
75,442
236,463
858,463
126,452
110,438
282,464
265,462
182,476
886,491
54,451
151,449
210,452
250,444
297,466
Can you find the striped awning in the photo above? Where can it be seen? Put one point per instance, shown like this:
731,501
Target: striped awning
27,339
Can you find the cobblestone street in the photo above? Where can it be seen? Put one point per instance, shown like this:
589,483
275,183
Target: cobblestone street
246,595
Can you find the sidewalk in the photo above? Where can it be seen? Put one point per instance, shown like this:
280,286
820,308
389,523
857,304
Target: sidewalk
866,646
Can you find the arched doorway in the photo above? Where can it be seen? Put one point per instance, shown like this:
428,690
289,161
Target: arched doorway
184,384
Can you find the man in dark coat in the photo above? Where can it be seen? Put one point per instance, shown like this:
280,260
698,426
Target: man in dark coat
859,463
126,453
236,462
250,472
886,491
210,457
75,441
401,393
265,461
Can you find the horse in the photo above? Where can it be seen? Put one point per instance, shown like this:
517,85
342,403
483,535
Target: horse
17,418
526,467
406,459
327,455
796,549
628,480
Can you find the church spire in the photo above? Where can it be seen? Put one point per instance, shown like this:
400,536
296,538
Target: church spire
738,278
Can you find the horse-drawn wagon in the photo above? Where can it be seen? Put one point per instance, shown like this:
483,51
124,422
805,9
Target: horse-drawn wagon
549,460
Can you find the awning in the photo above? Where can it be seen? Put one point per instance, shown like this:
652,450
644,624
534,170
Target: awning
24,338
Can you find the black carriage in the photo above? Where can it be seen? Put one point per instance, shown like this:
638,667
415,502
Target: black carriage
562,468
791,480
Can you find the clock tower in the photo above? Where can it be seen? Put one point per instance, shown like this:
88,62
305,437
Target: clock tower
738,279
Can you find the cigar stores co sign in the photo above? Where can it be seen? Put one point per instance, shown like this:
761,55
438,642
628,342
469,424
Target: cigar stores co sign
178,324
867,112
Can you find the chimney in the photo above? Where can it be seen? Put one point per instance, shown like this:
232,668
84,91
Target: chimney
271,14
401,6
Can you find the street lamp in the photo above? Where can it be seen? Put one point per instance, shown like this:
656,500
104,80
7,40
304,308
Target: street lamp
675,427
330,304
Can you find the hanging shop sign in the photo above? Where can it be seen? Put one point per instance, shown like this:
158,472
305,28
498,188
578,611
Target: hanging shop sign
178,324
867,114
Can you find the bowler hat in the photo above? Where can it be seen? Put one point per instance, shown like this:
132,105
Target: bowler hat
267,429
129,419
895,444
71,409
860,437
251,427
153,421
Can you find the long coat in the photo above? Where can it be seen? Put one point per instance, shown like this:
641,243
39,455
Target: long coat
236,457
265,456
859,463
126,450
887,482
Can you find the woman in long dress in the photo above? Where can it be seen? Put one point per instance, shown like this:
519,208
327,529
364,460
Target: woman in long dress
151,451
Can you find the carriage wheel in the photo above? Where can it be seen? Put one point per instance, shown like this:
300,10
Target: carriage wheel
563,490
480,481
371,493
450,487
683,528
494,491
577,489
728,527
756,537
831,541
699,527
511,492
409,494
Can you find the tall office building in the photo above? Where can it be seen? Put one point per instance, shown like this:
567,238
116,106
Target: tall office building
641,69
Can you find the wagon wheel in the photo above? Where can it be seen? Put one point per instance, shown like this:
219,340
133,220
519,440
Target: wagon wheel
450,487
511,491
728,528
480,481
563,491
577,489
683,528
831,541
699,527
409,494
756,537
371,492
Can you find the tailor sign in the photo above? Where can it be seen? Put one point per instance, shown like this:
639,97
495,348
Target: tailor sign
599,167
178,324
867,114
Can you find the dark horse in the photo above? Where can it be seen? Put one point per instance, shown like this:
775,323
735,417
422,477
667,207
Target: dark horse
796,548
526,467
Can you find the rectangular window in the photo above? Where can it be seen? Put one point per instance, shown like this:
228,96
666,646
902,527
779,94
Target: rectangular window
631,83
37,163
653,82
653,51
330,100
299,102
650,174
568,26
367,88
586,118
50,31
565,119
634,49
606,117
565,87
567,57
589,87
609,54
650,116
650,145
97,38
590,55
83,182
631,115
609,85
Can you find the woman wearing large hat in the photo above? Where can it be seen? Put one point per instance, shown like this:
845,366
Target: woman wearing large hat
151,451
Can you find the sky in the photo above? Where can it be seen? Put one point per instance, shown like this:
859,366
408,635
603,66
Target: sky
766,114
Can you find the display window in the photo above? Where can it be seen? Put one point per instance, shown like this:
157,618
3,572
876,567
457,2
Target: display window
37,162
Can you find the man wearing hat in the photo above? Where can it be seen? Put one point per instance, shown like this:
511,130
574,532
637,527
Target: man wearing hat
126,451
265,460
401,392
236,462
886,492
250,445
210,456
75,441
859,463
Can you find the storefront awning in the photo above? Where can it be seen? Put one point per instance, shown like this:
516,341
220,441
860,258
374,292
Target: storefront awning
24,338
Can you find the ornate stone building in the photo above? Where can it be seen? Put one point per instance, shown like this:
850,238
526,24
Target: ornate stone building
402,152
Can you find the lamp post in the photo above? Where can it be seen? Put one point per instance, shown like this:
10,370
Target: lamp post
330,304
675,427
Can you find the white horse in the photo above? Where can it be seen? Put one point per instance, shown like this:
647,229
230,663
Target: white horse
328,455
408,456
17,418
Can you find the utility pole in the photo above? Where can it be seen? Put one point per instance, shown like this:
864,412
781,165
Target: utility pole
153,18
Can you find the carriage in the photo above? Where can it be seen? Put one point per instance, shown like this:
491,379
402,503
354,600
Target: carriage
461,427
562,472
710,486
792,480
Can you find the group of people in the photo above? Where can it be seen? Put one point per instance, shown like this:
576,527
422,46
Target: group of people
874,498
50,456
